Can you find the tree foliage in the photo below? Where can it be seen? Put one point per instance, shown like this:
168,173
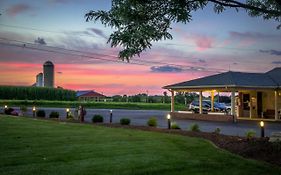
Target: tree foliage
138,23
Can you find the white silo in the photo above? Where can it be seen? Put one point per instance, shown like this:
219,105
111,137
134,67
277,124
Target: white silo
39,80
49,76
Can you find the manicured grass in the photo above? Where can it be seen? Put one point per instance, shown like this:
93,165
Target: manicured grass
30,146
98,105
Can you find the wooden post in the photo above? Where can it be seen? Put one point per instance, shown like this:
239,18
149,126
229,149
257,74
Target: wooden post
233,102
212,101
200,102
172,101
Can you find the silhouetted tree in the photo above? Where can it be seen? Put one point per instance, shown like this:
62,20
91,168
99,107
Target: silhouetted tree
140,22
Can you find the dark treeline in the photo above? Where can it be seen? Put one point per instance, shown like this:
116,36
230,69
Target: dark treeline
36,93
180,98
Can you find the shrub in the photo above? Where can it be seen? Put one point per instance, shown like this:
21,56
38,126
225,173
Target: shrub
250,134
97,118
174,125
23,109
8,111
152,122
40,113
125,121
70,116
217,131
54,114
194,127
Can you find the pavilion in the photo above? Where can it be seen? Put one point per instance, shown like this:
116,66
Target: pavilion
254,96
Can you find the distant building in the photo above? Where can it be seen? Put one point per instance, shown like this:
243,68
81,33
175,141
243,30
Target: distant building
48,71
39,80
90,95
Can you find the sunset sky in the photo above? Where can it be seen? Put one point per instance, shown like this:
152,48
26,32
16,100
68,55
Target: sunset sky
56,30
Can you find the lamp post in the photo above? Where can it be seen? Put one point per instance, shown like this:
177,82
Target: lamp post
110,119
67,113
33,111
5,109
169,121
262,128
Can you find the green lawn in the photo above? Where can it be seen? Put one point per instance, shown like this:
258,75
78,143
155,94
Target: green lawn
97,105
30,146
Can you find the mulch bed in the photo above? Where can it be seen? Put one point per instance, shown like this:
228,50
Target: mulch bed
254,148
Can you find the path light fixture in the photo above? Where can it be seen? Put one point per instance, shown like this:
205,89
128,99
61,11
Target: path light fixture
6,107
262,128
110,119
67,112
33,111
169,121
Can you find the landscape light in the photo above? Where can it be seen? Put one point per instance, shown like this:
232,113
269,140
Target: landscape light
5,106
33,111
262,124
262,128
67,112
169,121
110,119
168,116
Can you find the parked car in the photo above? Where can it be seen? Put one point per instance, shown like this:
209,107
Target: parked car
194,106
228,108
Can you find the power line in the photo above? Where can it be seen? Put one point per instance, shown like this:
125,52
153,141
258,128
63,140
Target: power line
82,54
150,62
183,45
48,31
60,52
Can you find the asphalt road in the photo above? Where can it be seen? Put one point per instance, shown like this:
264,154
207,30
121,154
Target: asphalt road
140,117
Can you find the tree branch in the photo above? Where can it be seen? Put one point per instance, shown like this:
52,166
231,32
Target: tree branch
236,4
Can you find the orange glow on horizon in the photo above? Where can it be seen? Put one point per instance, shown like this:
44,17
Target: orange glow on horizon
110,79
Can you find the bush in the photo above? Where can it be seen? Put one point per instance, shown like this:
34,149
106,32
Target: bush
174,125
125,121
250,134
70,116
152,122
97,119
217,131
23,109
194,127
8,111
40,113
54,114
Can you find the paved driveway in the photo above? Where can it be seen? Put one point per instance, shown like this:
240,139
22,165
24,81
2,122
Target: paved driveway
140,117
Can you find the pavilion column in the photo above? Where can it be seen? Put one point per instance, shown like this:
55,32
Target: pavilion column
276,104
212,101
233,102
172,101
200,102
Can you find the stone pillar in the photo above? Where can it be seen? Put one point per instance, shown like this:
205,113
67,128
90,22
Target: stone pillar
212,101
233,102
172,101
276,104
200,102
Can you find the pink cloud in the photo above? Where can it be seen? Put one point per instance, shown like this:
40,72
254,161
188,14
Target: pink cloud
203,42
17,9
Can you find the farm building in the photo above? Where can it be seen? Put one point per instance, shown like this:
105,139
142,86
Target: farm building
90,95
